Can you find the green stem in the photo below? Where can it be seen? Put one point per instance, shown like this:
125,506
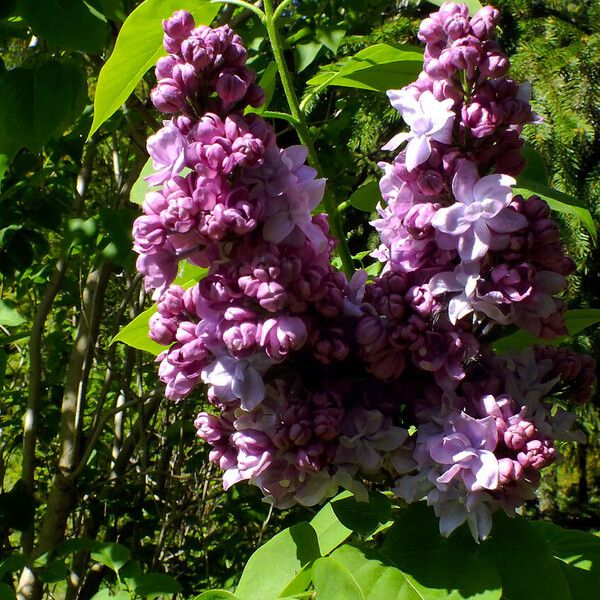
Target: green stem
304,135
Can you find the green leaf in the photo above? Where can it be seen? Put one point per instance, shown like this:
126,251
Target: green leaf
135,334
54,571
473,5
216,595
379,68
577,320
137,49
366,197
66,23
6,592
111,555
188,274
9,316
275,564
535,168
557,201
453,568
37,104
140,187
379,580
306,54
329,529
580,555
525,562
11,564
151,585
331,38
362,517
333,581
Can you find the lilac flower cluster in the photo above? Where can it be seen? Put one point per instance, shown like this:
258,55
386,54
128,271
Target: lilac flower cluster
314,380
271,323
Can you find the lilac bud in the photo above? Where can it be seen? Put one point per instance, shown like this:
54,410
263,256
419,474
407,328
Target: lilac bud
281,335
230,86
209,427
494,63
537,454
484,22
177,28
431,30
456,26
516,436
481,117
162,329
420,300
509,471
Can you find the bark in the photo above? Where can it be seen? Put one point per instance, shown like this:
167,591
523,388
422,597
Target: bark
61,497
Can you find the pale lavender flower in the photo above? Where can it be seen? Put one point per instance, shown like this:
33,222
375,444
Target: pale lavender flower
480,213
428,119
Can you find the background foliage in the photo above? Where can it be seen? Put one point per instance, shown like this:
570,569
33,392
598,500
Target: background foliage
99,477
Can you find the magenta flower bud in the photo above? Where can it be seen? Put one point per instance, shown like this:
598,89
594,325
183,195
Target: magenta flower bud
281,335
168,97
509,471
537,454
484,22
388,365
149,234
209,428
420,300
241,339
431,30
516,436
170,304
271,296
162,329
439,68
164,67
330,346
452,9
510,162
515,283
494,63
177,28
230,86
371,333
481,118
194,51
456,26
464,53
255,96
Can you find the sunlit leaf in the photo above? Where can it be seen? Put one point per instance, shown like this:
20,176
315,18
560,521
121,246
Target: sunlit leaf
275,564
379,68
